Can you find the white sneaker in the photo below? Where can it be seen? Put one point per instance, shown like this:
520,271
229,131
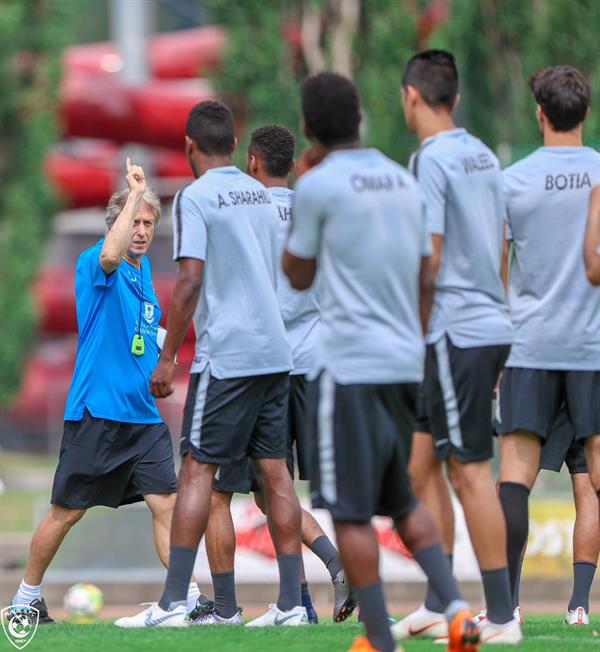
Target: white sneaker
421,622
154,616
507,634
578,616
275,617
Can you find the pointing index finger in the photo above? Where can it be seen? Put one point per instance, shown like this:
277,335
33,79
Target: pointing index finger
128,162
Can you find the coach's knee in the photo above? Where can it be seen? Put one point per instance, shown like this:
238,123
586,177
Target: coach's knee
65,516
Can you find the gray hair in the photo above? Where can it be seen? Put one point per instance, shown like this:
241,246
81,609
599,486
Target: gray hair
117,201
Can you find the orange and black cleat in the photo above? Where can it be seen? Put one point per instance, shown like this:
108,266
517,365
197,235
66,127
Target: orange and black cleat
361,644
463,633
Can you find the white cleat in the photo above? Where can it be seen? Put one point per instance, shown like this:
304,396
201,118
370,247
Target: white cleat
206,615
577,616
518,614
275,617
421,622
154,616
507,634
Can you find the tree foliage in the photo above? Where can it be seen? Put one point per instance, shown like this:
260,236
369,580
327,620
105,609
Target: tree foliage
498,45
31,39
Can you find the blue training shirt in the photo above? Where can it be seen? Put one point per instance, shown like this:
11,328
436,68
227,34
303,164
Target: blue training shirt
109,380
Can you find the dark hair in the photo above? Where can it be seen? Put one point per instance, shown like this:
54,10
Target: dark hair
331,108
433,73
275,145
210,126
563,92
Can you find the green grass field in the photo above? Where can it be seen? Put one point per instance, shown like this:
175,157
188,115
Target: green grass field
543,634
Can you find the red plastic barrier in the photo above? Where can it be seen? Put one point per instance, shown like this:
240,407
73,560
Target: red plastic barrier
107,108
186,53
86,175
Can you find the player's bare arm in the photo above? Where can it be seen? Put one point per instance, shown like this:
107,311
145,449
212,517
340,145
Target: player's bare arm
185,297
505,264
119,236
591,249
426,291
437,242
300,271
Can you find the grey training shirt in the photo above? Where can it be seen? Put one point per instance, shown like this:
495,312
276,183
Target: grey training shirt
299,308
362,216
462,185
554,308
228,219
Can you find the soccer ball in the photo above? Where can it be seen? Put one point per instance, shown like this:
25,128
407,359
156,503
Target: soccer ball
83,602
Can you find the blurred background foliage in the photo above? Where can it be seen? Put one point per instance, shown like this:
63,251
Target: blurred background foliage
272,46
32,35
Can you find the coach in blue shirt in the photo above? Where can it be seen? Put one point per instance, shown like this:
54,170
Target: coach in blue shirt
115,449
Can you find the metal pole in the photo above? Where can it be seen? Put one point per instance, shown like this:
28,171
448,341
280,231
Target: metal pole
131,23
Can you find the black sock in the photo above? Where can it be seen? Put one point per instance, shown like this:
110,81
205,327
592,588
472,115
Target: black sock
435,565
327,553
514,498
498,600
516,592
181,566
583,576
225,600
289,581
373,614
432,601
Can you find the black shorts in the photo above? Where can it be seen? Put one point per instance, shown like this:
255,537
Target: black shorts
561,447
530,399
458,387
110,463
227,420
240,477
362,436
422,423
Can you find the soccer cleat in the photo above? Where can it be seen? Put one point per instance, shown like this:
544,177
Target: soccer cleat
277,618
463,633
204,614
518,616
493,634
154,616
40,605
421,622
361,644
313,618
577,616
344,602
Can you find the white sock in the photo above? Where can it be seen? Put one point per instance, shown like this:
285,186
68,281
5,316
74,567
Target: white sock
27,593
192,595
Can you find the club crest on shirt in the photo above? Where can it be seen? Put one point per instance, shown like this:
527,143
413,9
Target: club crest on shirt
148,312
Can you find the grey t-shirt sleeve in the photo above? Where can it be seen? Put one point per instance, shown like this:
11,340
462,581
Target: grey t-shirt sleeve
305,234
190,235
433,184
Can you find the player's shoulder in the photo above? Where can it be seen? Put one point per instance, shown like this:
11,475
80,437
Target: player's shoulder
526,163
401,173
